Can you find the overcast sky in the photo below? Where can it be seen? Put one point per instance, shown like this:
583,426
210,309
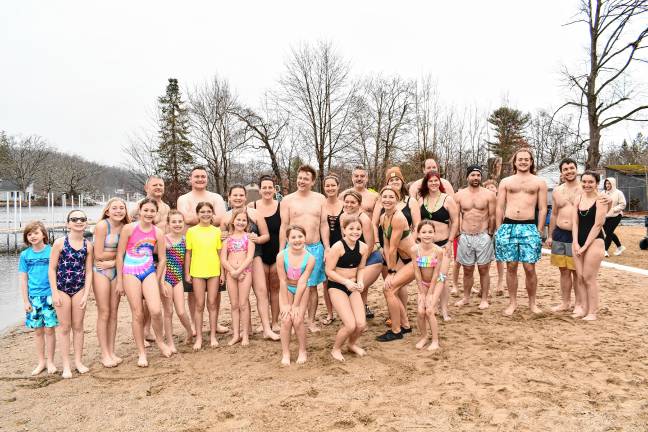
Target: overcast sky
85,75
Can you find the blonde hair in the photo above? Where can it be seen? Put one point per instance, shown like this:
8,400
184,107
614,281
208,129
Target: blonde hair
236,212
104,212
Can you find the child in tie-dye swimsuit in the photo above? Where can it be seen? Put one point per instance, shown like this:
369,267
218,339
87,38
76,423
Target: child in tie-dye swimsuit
138,277
70,271
176,248
430,270
294,267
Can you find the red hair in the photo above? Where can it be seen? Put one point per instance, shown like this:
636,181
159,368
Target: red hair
424,190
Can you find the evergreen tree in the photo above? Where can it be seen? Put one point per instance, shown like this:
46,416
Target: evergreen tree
509,125
174,150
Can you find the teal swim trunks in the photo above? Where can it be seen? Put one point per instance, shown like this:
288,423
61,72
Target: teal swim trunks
518,241
318,274
42,314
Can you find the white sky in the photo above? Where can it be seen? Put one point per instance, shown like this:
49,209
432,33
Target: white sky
85,75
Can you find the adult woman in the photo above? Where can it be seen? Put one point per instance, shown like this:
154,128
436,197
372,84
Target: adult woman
588,218
259,235
268,207
614,215
332,210
104,276
441,209
398,244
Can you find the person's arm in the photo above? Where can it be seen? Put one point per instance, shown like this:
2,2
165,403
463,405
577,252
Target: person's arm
542,205
448,187
417,271
415,209
119,263
575,245
414,189
87,286
440,273
284,304
219,209
190,215
332,257
161,266
598,225
302,282
324,229
367,232
364,251
24,291
622,202
100,232
492,203
51,272
375,221
284,213
501,204
227,267
398,224
264,233
455,222
552,223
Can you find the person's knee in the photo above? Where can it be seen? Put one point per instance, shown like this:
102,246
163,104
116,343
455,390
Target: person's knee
103,313
468,270
421,308
483,269
49,331
244,306
138,315
298,320
155,313
529,269
350,327
77,326
361,326
512,267
64,328
286,321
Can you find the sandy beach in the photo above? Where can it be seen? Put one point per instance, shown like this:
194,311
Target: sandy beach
525,373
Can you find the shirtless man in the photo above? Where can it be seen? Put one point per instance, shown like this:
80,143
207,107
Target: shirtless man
187,206
429,165
304,207
518,232
154,188
477,214
360,178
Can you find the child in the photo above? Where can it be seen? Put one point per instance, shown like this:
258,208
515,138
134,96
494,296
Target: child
176,249
430,271
106,238
345,265
37,295
70,270
294,266
203,270
237,259
139,278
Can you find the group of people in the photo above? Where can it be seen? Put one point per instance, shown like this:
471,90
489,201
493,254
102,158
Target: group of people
282,251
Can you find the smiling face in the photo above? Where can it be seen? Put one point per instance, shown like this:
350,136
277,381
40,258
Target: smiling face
241,222
237,197
116,211
267,189
588,183
429,166
176,223
359,178
305,181
568,172
198,179
395,183
148,212
426,233
331,187
351,205
433,184
296,239
353,231
523,161
154,188
388,199
77,221
205,214
474,178
35,237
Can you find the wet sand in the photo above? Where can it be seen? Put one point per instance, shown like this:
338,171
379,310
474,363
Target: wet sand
525,373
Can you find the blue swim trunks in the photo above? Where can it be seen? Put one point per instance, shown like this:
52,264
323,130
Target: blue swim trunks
518,241
42,314
375,258
318,274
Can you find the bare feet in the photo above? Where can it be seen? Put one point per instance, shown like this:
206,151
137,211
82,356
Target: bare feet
51,368
245,341
462,302
39,368
142,361
108,362
81,368
285,360
198,344
510,309
421,343
67,373
578,312
235,339
313,328
589,317
499,292
149,337
271,335
474,290
188,339
446,316
213,342
357,350
433,346
259,329
560,308
147,344
116,359
221,329
336,353
164,349
535,309
483,305
301,358
453,292
173,349
276,327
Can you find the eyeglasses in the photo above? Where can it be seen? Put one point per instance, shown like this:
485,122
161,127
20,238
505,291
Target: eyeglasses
78,219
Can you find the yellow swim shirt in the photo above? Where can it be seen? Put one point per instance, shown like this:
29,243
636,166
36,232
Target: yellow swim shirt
204,244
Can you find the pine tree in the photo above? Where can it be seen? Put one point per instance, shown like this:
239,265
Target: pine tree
509,125
175,148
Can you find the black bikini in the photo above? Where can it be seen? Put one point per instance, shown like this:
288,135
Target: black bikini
441,215
350,259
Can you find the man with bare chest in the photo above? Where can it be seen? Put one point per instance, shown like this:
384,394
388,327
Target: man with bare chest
518,231
429,165
304,208
477,210
360,177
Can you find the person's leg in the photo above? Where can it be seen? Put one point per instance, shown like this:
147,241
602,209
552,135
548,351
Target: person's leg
421,315
102,292
397,311
115,299
607,227
286,326
64,315
357,305
329,305
78,315
484,282
403,297
191,303
232,291
512,284
50,349
468,281
133,289
151,293
272,282
39,339
592,263
371,275
500,279
213,307
456,268
432,297
258,282
199,288
342,305
565,290
181,311
531,281
313,300
167,318
244,308
148,337
300,328
580,308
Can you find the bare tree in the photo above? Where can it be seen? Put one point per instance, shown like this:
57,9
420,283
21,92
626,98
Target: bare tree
142,158
317,91
74,174
617,33
25,158
553,138
427,108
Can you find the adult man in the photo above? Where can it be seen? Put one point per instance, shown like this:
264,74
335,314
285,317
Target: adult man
304,207
477,209
154,188
429,165
187,206
518,231
360,178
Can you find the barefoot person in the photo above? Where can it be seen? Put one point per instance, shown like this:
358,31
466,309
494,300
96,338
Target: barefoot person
40,314
104,277
429,165
587,227
294,267
154,189
70,276
269,208
259,235
560,237
360,178
187,205
138,277
518,232
305,208
333,208
430,271
477,209
345,262
491,185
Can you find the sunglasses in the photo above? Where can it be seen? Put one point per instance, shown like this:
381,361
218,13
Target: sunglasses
78,219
